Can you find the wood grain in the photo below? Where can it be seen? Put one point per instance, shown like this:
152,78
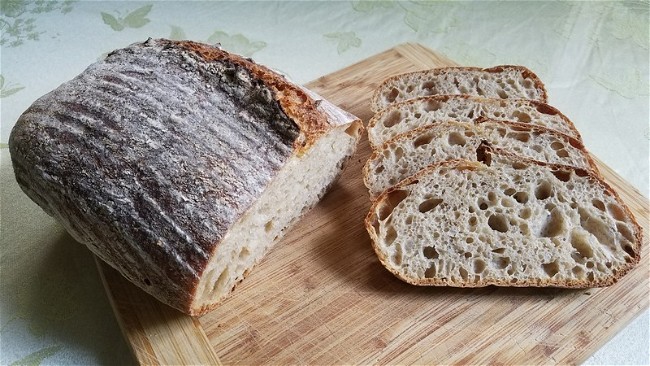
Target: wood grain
322,297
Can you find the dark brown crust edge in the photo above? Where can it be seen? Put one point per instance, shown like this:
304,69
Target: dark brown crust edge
526,72
395,106
299,106
464,164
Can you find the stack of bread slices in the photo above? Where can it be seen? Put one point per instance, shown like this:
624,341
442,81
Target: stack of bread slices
476,181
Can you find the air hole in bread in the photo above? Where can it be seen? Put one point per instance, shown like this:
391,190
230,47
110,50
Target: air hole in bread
562,175
538,148
423,140
456,138
498,114
431,271
590,277
579,272
409,220
432,105
616,211
502,94
623,229
397,255
268,226
429,86
410,88
467,255
521,197
469,240
554,224
498,222
598,204
525,213
463,273
549,206
499,250
590,264
600,267
390,202
430,252
472,221
501,262
244,253
479,266
544,190
379,169
562,153
528,84
580,242
392,96
608,264
596,227
519,165
521,116
551,269
557,145
391,235
220,283
509,191
392,119
482,205
399,153
520,136
492,198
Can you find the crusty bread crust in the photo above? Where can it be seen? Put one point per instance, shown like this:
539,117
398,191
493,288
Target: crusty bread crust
371,223
150,156
569,127
295,102
377,105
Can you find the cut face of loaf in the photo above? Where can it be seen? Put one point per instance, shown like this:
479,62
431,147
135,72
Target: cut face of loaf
408,153
515,222
500,82
180,164
402,117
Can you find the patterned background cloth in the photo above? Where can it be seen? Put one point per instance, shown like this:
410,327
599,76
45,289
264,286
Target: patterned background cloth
593,57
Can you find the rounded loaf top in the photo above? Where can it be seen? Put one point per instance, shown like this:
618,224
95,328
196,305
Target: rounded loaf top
150,155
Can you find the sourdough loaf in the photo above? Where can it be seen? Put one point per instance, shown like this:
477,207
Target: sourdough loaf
501,82
506,221
180,164
408,153
402,117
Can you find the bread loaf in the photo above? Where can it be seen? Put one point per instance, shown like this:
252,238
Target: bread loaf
180,164
506,221
402,117
408,153
501,82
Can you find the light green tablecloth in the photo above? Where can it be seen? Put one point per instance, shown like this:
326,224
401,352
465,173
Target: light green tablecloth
593,57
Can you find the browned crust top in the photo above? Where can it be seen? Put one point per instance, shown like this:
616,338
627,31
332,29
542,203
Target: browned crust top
294,101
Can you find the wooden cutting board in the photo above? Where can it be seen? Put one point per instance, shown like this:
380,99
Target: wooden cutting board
322,297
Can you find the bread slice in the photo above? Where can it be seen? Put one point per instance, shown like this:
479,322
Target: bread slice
507,222
402,117
408,153
180,164
501,82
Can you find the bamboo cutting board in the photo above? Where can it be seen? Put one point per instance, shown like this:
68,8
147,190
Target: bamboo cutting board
322,297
